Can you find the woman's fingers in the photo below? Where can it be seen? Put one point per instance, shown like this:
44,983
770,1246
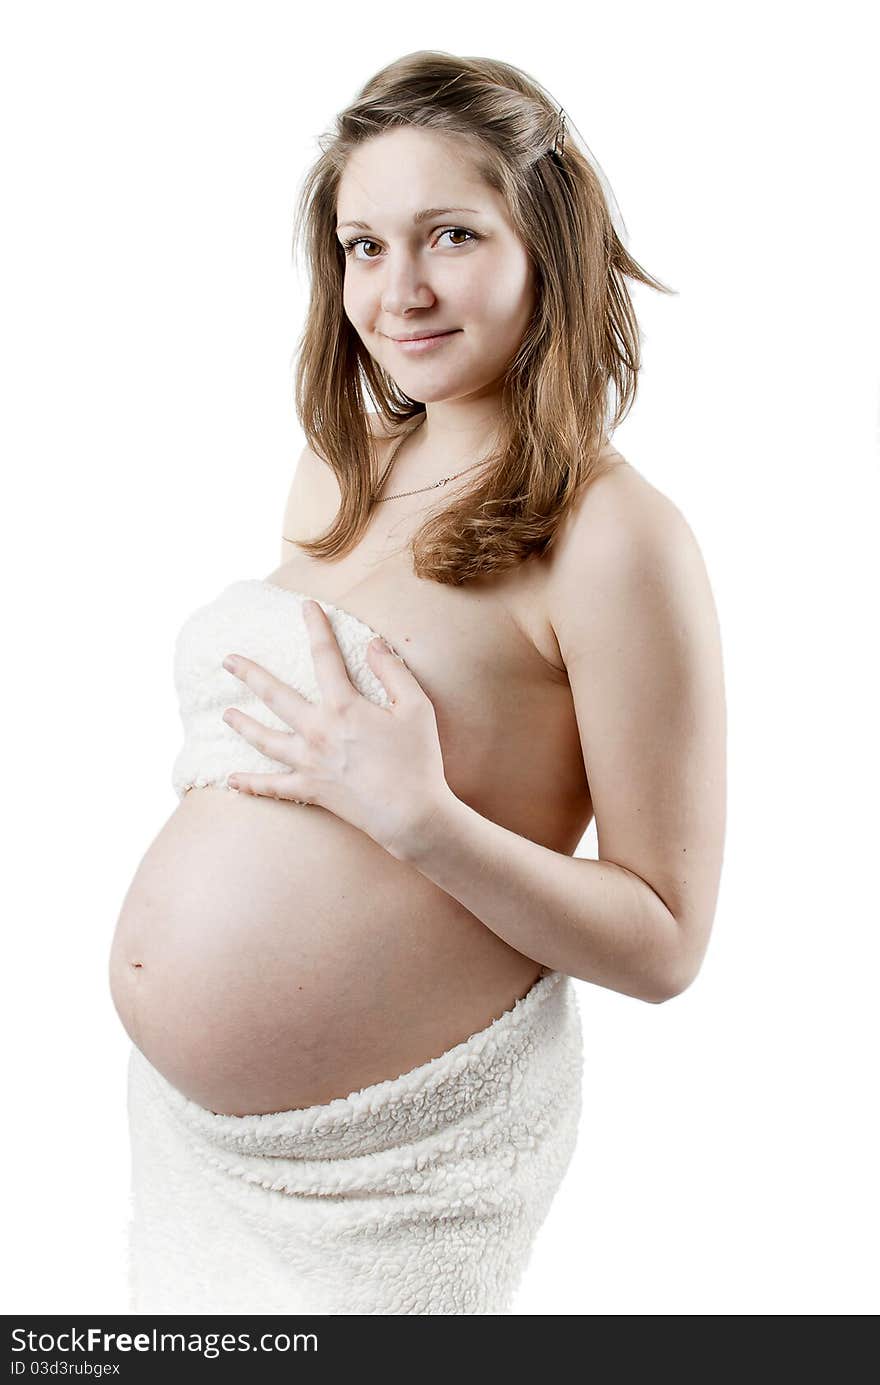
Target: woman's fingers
330,671
276,745
287,704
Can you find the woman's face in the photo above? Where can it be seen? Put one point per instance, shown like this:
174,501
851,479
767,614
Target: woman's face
461,270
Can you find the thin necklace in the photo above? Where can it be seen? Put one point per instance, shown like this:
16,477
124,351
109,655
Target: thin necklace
433,486
419,489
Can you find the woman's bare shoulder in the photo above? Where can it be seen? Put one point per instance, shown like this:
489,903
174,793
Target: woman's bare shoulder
612,514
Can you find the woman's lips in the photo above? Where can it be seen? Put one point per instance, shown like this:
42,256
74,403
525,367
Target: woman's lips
426,343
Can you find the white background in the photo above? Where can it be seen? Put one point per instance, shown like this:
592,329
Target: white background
150,163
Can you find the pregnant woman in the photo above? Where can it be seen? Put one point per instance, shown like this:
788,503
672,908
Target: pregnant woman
346,960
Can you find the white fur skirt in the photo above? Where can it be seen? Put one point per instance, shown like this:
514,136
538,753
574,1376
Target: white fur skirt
421,1194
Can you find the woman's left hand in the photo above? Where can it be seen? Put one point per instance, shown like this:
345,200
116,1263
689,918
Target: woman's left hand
379,768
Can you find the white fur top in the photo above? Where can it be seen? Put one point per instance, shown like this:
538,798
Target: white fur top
264,623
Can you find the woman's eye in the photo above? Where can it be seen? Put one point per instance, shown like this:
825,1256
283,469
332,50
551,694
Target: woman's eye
458,231
349,246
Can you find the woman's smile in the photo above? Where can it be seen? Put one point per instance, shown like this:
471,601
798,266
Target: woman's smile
416,344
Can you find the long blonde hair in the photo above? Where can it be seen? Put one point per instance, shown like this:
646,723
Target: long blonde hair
583,340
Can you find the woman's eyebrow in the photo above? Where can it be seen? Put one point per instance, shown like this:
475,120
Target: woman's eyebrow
418,217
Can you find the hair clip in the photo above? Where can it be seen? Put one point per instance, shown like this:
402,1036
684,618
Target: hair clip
558,149
560,135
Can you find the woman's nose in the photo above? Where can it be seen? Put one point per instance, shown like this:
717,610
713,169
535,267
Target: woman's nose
405,287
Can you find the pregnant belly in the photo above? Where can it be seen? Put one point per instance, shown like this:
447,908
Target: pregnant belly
270,956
